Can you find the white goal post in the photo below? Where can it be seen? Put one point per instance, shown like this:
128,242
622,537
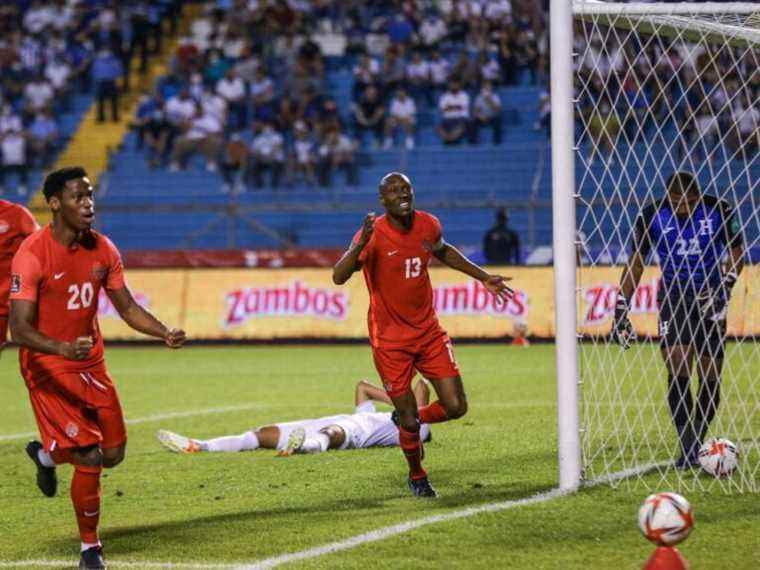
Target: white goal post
640,91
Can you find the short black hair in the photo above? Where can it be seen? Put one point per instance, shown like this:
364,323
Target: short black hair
392,176
56,181
684,181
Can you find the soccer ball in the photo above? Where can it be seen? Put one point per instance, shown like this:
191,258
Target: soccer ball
666,519
719,457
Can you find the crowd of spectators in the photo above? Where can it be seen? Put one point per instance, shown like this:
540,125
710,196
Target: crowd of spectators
51,49
694,96
248,87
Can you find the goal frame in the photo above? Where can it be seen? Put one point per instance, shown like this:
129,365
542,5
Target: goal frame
564,194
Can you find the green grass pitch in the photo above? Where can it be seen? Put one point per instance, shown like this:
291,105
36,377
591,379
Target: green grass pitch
228,508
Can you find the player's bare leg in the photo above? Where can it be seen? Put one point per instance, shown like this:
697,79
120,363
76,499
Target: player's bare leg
409,440
451,403
679,360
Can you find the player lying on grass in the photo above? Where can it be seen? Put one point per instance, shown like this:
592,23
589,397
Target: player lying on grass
366,427
691,233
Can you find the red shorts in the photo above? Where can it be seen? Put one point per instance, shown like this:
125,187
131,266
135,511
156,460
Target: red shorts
434,359
76,409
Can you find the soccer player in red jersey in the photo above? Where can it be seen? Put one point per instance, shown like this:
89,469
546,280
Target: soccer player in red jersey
56,277
16,223
394,251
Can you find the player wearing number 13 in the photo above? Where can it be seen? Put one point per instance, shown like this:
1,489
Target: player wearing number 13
56,277
394,251
690,232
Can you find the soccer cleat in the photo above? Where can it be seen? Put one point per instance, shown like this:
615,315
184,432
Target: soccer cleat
47,480
92,558
177,443
422,488
295,443
394,417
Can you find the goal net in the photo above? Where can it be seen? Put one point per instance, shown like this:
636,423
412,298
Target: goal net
662,88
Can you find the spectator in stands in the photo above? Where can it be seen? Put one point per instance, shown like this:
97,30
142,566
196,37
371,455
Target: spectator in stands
214,104
337,151
232,89
439,72
9,119
454,107
153,128
234,164
14,159
180,110
204,135
466,71
58,73
80,55
402,114
487,112
262,96
304,154
498,13
544,113
501,244
433,31
418,79
526,57
106,70
43,138
746,118
400,30
366,73
38,95
489,68
267,153
369,115
392,72
328,117
288,112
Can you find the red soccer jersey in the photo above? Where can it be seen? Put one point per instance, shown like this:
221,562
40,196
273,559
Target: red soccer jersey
395,266
16,223
65,283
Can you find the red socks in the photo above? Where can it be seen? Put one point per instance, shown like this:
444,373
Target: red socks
412,448
85,494
433,414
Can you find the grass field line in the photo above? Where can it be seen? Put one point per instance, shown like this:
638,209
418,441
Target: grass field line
244,407
354,541
388,531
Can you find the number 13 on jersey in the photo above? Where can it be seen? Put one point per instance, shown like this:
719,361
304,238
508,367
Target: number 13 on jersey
413,267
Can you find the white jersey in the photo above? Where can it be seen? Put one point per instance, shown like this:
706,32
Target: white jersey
366,427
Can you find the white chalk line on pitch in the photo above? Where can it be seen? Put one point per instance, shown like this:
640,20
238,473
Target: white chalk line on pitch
354,541
244,407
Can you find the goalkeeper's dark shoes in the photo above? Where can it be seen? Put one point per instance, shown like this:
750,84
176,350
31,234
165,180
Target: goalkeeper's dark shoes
394,417
47,480
422,488
92,558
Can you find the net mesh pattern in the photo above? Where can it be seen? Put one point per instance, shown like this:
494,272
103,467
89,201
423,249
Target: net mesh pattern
656,94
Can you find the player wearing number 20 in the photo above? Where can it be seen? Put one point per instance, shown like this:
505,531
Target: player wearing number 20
690,233
394,251
56,276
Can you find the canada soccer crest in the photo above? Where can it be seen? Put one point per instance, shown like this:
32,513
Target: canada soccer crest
4,226
72,429
15,283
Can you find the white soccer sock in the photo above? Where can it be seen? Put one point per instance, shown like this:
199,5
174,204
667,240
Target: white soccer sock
231,443
88,545
316,443
45,458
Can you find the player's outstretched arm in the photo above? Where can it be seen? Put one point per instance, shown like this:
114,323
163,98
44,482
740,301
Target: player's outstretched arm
23,332
623,332
452,257
349,262
143,320
367,391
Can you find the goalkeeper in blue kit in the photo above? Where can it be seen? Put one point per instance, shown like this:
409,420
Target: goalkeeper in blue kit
690,232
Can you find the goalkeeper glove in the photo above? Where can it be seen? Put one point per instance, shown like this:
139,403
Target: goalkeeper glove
622,329
713,303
